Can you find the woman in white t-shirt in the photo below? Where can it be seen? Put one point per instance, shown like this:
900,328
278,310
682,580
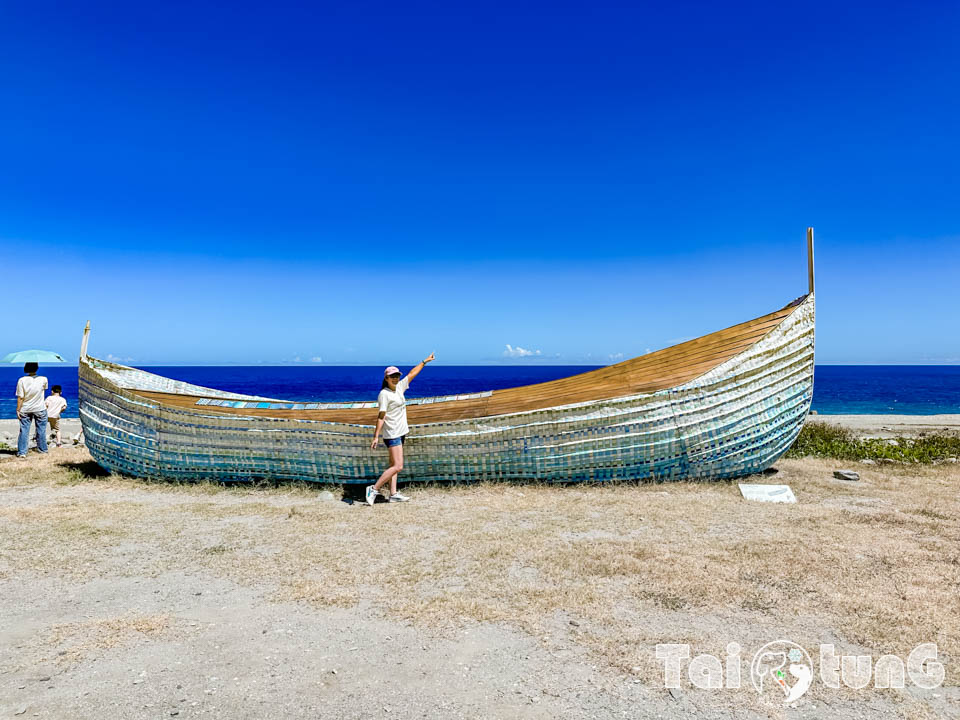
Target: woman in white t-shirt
392,420
30,408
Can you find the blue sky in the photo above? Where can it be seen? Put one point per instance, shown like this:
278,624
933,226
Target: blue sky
364,182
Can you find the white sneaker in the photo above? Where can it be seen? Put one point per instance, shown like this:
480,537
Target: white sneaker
371,495
399,498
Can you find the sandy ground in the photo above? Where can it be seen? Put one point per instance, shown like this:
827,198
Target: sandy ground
893,425
131,599
10,430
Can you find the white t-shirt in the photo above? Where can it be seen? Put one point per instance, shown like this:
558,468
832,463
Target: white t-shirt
30,388
55,405
394,404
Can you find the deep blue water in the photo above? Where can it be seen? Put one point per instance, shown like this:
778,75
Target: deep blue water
883,389
866,389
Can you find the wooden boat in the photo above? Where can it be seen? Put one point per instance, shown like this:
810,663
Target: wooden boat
720,406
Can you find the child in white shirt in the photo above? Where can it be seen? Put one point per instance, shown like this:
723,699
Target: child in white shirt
55,405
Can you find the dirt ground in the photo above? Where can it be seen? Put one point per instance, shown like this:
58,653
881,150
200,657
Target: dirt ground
134,599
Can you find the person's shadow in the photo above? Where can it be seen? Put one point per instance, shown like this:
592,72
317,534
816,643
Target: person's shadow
356,493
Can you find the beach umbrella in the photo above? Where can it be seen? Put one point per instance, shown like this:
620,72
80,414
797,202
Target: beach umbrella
37,356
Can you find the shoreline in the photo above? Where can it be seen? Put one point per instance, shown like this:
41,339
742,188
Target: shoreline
892,425
10,430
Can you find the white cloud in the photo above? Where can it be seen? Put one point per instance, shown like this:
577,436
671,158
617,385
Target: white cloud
115,359
519,352
297,359
316,358
616,356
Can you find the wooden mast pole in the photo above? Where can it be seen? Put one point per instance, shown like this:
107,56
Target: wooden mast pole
83,344
810,258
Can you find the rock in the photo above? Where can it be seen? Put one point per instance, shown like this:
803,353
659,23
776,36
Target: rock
893,442
846,475
868,461
813,412
21,710
675,693
325,495
575,623
951,460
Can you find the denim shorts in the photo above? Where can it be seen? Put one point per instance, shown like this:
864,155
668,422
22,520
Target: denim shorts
393,442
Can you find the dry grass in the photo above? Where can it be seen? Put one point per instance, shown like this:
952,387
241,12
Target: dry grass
872,566
73,641
67,644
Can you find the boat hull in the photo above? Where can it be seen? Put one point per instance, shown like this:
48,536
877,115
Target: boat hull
734,420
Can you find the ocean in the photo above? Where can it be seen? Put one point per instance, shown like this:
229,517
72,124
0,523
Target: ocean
838,389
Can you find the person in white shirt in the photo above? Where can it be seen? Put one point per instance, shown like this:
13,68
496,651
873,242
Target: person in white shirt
392,420
55,405
30,408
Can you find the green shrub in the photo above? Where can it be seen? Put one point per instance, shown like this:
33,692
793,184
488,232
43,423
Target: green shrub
823,440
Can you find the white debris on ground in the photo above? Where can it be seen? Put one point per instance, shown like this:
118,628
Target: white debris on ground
767,493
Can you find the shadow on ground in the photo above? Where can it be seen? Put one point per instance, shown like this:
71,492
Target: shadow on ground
88,469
